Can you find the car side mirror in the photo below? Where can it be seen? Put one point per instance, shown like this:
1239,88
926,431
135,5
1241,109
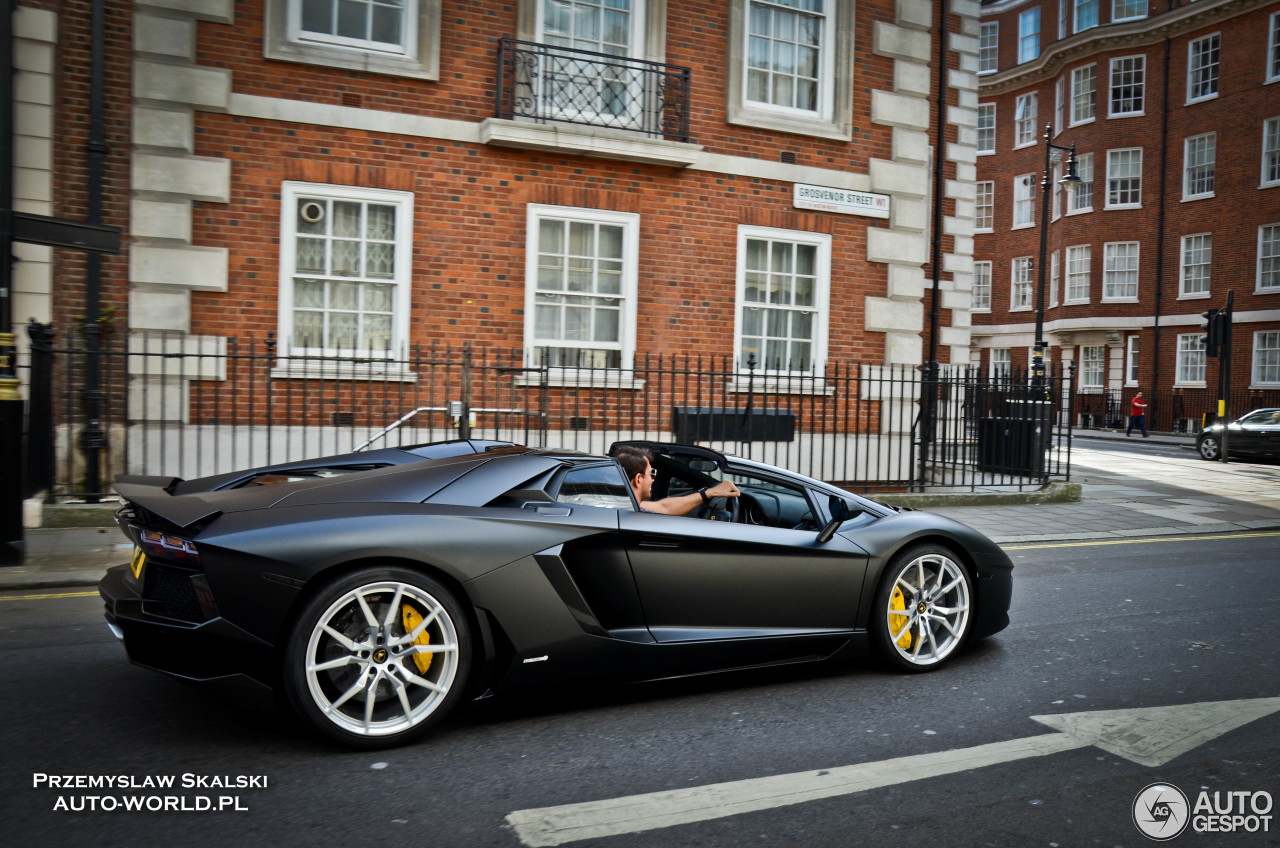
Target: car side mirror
839,515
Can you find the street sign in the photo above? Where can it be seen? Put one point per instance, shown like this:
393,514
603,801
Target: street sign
842,200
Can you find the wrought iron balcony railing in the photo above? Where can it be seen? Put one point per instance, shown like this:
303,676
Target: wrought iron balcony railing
544,83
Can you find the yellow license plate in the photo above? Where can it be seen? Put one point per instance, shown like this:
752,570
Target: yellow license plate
135,565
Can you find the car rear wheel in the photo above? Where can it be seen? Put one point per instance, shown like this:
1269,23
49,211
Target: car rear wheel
1208,447
923,610
377,657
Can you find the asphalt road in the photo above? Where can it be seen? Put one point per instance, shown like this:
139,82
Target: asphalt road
1146,623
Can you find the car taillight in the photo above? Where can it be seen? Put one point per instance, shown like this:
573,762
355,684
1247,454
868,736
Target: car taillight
169,547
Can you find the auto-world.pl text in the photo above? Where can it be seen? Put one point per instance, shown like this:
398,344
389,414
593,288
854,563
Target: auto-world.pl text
129,793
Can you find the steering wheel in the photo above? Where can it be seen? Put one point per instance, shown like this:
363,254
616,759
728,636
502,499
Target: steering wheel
732,505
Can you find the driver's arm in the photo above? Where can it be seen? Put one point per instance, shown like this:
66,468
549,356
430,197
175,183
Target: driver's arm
685,504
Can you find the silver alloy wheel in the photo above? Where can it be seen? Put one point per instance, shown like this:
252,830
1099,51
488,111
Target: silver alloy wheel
362,667
1208,447
934,616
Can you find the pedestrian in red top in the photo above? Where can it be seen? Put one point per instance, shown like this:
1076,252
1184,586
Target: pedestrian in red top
1137,415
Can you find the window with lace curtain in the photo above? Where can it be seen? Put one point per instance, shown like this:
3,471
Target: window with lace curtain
345,270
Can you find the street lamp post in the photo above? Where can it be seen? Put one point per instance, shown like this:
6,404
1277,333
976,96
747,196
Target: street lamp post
1069,179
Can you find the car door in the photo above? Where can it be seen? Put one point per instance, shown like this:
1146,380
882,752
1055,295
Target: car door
1248,435
701,580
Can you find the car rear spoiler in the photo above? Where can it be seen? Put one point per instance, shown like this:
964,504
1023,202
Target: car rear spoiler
154,494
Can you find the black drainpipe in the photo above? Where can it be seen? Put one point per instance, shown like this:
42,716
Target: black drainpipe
928,410
94,438
1164,158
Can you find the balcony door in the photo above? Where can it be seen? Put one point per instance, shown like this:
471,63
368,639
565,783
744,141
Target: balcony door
602,90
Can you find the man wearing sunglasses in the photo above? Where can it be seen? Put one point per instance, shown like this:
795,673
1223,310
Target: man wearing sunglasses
636,462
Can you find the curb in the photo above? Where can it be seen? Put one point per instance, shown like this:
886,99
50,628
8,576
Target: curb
1054,492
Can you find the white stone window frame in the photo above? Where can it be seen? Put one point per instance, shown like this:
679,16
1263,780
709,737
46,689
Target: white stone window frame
295,361
1086,171
1270,153
1029,39
1079,268
1116,67
988,48
821,295
1194,172
1093,368
1200,246
1000,363
1055,273
835,118
535,213
1024,201
1119,7
1110,255
1059,105
982,286
1132,351
1091,4
1190,361
1021,284
1272,71
986,109
1078,95
1269,240
282,40
1128,204
1192,69
989,194
1266,342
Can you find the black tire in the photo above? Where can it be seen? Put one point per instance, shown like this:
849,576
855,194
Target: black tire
368,684
937,609
1209,448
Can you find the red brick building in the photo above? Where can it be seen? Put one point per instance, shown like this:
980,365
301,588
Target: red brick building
743,179
1174,113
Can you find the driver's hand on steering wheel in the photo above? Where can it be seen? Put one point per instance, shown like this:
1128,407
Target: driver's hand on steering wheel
723,489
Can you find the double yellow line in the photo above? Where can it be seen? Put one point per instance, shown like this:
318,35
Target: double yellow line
1142,541
45,597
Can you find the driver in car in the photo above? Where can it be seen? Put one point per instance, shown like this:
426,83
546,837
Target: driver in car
636,463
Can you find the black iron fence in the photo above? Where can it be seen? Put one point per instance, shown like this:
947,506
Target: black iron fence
1170,411
546,83
193,406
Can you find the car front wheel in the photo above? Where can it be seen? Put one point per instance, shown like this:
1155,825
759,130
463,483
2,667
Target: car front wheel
1208,447
924,608
377,657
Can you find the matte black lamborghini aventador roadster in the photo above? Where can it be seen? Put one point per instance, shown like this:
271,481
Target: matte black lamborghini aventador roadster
373,599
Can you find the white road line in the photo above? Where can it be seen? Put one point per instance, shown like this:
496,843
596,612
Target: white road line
1150,736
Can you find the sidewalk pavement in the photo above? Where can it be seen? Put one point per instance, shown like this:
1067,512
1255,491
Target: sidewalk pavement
1121,496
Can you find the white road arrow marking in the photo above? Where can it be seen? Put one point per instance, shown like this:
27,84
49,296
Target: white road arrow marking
1149,737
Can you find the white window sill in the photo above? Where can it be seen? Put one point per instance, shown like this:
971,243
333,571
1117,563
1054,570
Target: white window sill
1270,185
600,142
1090,390
1141,114
1189,197
779,384
1264,387
988,72
1121,207
1199,385
1082,122
1119,300
341,370
1021,308
584,379
1076,303
1084,211
1205,99
1195,295
982,230
1267,290
986,153
1024,144
981,310
1023,226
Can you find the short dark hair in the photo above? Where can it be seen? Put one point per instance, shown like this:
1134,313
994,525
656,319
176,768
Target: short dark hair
633,458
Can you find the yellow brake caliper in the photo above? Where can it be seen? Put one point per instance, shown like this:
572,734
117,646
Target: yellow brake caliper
412,618
897,622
